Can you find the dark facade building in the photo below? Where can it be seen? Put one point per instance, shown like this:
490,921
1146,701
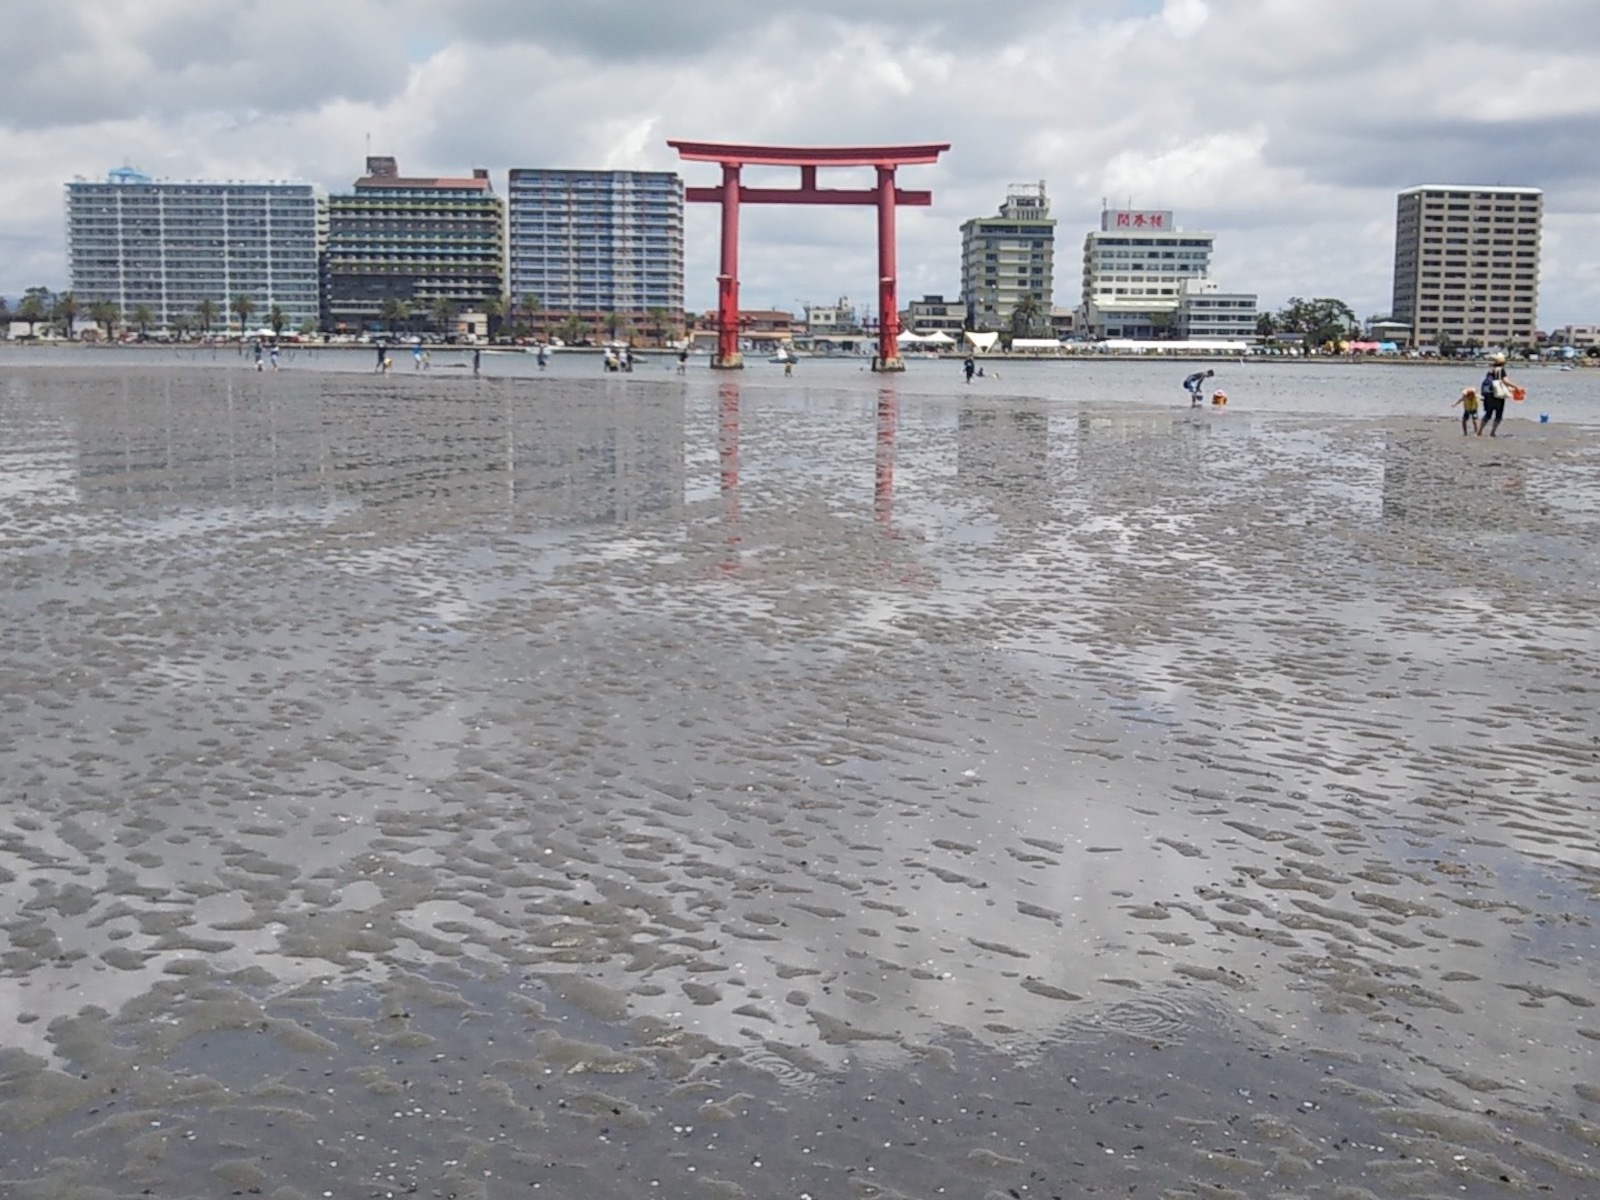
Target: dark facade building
405,251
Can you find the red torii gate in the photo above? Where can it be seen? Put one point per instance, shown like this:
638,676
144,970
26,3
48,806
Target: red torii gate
731,193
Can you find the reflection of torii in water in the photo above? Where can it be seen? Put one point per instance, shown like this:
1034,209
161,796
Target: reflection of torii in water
883,460
728,468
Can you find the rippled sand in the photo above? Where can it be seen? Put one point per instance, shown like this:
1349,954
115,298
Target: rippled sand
634,787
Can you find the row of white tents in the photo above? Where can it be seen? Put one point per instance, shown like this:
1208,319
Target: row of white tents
983,343
938,339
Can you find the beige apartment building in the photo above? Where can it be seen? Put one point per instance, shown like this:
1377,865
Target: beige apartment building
1009,257
1466,264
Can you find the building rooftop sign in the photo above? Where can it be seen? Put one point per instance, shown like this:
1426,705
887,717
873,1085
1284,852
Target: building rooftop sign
1132,218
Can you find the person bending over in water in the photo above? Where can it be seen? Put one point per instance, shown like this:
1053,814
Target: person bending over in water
1195,385
1468,400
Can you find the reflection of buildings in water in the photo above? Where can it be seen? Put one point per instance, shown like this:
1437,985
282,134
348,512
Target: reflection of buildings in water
177,439
1003,455
1103,437
1126,459
1428,483
604,463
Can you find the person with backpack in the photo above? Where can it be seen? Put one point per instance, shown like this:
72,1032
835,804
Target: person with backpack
1494,392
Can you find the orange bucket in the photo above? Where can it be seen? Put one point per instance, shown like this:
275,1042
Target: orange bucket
1519,393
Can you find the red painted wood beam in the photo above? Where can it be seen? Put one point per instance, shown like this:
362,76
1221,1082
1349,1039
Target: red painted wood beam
790,156
750,195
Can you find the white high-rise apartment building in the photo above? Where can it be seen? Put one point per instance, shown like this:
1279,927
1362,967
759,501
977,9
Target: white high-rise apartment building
1008,257
169,245
590,242
1466,264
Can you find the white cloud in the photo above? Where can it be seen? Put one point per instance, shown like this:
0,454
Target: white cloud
1283,127
1185,17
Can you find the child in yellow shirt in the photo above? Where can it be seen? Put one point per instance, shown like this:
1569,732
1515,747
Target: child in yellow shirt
1468,401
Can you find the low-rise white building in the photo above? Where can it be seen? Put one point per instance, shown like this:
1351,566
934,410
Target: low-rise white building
935,313
1206,312
839,317
1582,336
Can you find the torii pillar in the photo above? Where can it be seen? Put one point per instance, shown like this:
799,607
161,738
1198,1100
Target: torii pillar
885,196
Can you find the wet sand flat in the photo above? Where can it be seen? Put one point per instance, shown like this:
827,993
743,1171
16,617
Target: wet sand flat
649,786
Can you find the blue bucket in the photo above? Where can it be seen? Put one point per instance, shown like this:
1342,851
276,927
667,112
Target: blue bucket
1544,418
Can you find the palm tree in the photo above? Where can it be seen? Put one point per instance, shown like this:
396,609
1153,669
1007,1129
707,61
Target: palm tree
277,318
206,310
658,320
530,308
571,328
1025,316
32,307
66,310
444,314
142,316
242,307
612,322
494,308
106,313
394,312
180,326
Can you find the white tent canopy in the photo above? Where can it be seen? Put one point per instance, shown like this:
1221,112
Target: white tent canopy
1138,346
938,338
981,342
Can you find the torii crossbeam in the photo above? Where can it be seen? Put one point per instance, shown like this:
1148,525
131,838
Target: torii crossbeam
732,193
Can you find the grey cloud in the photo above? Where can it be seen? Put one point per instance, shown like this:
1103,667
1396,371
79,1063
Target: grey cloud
70,66
1555,153
646,29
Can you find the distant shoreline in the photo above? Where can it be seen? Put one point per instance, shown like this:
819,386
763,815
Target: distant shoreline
955,356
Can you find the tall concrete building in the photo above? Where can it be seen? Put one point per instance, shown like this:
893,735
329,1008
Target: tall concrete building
1144,277
1466,264
170,245
412,244
593,242
1007,257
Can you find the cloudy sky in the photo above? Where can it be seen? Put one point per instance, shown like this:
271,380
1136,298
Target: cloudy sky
1284,126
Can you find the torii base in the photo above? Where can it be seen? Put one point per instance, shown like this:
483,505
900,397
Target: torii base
888,364
727,362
